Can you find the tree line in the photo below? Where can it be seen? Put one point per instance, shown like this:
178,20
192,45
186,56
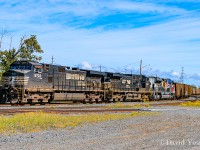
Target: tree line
28,49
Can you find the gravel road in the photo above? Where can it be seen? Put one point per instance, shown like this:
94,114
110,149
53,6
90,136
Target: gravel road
173,129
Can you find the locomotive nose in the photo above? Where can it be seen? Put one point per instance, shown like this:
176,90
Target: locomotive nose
13,78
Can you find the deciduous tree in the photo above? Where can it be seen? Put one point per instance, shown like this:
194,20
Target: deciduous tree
28,50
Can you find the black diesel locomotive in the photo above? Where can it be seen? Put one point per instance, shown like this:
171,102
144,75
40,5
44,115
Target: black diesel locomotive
32,82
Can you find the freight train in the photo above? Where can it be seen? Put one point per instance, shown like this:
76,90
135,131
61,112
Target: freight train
33,82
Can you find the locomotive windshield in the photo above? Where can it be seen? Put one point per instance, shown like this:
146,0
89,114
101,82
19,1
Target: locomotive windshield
21,67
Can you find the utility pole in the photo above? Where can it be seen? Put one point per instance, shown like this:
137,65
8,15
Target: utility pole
131,79
52,60
140,68
100,68
140,79
182,75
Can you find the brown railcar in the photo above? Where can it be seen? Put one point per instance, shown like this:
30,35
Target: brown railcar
197,91
190,92
186,90
179,90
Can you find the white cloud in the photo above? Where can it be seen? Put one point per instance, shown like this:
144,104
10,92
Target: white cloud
28,10
176,73
146,7
85,65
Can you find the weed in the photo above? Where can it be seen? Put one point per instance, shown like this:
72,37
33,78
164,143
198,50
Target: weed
122,105
38,121
191,104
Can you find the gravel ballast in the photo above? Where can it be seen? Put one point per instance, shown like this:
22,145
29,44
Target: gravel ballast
173,128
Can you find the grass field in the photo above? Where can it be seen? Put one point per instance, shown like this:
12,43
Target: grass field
38,121
191,104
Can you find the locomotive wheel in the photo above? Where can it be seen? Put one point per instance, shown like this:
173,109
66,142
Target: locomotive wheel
99,100
4,99
91,101
14,101
84,102
31,102
41,102
21,104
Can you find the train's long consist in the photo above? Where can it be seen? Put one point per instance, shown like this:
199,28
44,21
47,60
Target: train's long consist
31,82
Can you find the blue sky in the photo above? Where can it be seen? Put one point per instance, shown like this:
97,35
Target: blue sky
111,33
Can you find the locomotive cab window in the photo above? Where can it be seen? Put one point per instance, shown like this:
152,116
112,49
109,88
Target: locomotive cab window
38,69
21,67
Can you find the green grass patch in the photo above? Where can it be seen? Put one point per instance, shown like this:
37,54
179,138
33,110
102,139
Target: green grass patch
38,121
191,104
122,105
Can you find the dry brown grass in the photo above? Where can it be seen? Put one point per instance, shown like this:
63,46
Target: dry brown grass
122,105
38,121
191,104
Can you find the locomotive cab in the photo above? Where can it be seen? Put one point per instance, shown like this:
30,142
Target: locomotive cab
14,81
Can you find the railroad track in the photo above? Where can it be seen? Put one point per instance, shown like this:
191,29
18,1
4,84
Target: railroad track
66,111
6,109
